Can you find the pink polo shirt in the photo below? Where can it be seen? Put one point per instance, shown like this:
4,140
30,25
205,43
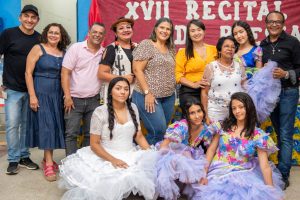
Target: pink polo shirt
84,64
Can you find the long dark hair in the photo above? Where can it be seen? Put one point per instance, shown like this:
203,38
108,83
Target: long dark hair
65,38
170,41
189,47
251,116
247,28
111,113
189,103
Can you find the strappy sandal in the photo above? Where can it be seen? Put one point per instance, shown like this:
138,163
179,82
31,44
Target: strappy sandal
49,173
55,165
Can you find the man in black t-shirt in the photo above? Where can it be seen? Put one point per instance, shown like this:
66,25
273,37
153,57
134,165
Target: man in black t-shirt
15,44
285,50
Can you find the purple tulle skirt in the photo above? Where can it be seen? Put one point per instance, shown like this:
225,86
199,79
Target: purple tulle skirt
264,90
178,163
234,183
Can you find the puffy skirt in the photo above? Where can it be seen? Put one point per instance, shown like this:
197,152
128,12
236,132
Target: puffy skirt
87,176
227,183
264,90
179,163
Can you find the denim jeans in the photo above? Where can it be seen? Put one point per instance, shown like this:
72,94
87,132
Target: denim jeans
283,119
156,123
84,108
16,107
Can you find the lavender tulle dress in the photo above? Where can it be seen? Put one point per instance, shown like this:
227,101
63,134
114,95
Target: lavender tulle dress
181,161
235,174
261,86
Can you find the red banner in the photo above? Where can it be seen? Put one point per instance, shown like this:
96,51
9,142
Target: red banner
218,16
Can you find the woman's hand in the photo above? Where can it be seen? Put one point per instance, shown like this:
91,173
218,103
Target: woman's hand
119,163
150,102
34,103
130,78
203,181
200,84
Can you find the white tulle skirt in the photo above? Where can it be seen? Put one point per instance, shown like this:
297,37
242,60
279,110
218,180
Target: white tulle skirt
87,176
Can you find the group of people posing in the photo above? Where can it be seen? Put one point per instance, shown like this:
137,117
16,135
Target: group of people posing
217,151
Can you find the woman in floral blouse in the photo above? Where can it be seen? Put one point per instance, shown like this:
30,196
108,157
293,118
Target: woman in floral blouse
153,66
225,76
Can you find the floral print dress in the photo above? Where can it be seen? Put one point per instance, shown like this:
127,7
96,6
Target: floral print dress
183,160
235,172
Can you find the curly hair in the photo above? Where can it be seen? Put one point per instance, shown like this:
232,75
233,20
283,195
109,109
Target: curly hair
251,117
65,38
247,28
221,42
111,112
189,50
170,41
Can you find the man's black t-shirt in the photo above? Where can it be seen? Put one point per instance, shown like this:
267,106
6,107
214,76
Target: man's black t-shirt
15,46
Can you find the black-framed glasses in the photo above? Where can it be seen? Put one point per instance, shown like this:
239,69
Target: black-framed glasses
278,22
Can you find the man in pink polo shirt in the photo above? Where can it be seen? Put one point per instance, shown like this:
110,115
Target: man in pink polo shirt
81,85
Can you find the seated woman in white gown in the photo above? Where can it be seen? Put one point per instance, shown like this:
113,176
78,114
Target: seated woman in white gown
112,167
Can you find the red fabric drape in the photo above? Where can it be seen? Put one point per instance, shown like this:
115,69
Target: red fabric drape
94,13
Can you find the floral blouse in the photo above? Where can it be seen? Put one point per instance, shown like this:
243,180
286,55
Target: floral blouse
240,151
178,133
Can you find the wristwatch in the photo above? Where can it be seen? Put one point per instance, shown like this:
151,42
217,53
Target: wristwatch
287,75
146,92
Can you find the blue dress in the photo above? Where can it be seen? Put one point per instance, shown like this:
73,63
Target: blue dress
45,128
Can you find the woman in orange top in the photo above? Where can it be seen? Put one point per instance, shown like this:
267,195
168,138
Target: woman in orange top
191,62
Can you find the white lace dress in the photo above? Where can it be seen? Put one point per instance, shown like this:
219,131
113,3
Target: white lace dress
223,83
87,176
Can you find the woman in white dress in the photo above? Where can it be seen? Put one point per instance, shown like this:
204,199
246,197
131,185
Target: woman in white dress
225,77
112,167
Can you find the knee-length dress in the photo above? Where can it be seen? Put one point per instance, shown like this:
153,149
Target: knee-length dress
45,128
235,172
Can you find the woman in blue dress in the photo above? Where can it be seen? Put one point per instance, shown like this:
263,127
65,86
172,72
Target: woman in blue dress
181,153
45,127
261,86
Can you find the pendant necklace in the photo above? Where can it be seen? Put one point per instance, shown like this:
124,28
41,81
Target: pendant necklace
273,47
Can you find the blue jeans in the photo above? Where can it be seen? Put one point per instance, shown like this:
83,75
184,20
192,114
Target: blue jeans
16,107
156,123
283,119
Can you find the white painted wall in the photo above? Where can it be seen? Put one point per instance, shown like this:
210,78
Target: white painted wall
58,11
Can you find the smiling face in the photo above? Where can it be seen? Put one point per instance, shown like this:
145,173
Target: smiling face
120,92
195,115
96,34
240,35
196,33
28,20
163,31
228,49
124,31
53,35
238,110
275,24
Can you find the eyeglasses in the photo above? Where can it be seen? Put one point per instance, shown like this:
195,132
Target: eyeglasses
53,33
271,22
